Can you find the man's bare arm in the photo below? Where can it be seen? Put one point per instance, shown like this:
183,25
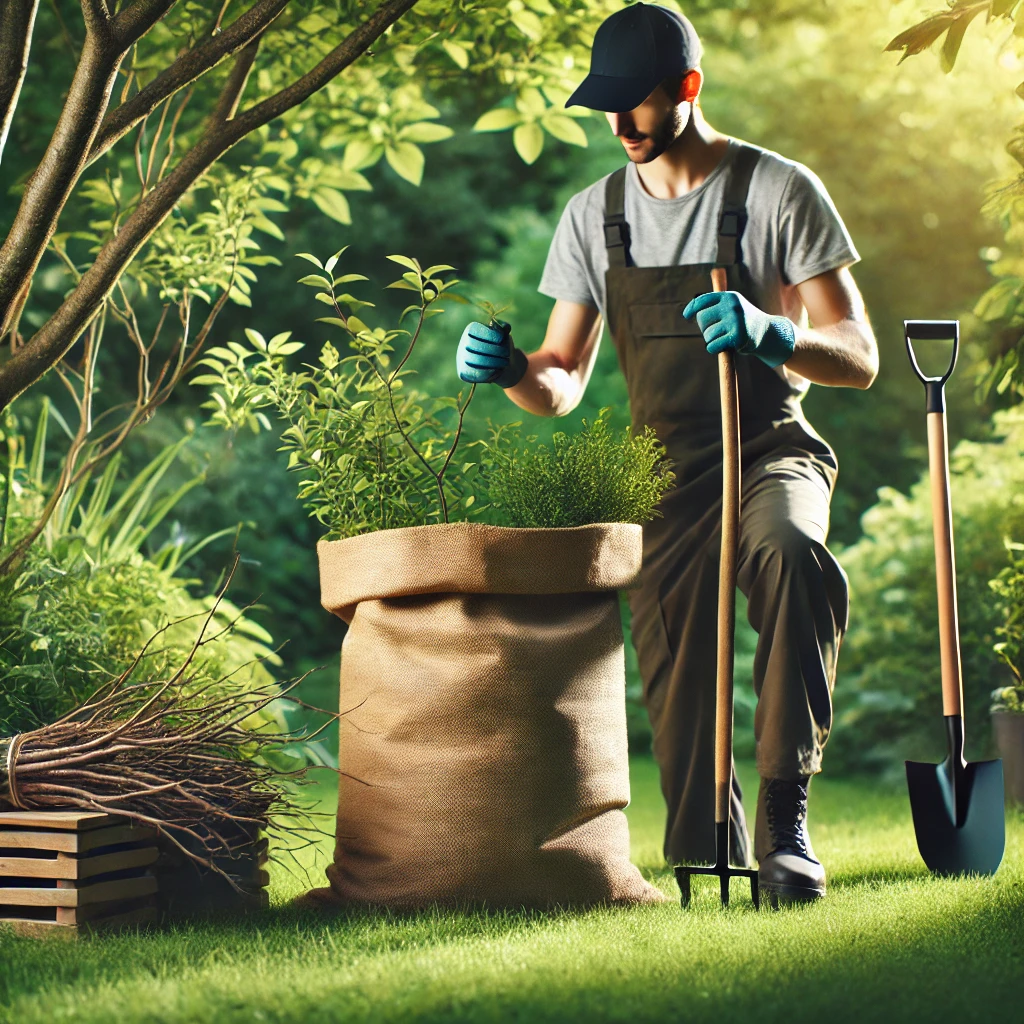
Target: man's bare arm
557,373
839,350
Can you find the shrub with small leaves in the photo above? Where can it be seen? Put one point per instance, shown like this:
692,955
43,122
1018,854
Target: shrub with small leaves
373,452
1008,587
594,476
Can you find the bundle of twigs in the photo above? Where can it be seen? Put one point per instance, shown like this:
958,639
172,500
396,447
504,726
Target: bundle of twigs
170,754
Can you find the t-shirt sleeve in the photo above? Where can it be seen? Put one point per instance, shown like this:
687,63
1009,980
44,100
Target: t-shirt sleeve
565,274
812,236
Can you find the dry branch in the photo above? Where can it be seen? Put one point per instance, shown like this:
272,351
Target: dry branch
170,753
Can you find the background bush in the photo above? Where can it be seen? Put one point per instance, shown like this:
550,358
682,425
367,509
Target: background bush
888,700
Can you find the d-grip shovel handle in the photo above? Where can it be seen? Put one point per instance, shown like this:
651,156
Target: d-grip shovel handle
729,388
942,516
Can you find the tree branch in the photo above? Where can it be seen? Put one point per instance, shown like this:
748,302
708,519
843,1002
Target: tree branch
335,62
132,23
17,18
231,94
61,331
48,189
190,66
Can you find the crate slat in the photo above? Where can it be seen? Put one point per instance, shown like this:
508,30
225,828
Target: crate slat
66,866
116,889
140,917
73,842
73,821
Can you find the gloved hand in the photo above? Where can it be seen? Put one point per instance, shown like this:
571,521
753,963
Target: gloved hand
728,321
486,355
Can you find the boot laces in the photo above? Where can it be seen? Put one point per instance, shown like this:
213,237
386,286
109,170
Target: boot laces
786,809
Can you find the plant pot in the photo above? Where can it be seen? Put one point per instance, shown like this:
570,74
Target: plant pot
482,752
1008,730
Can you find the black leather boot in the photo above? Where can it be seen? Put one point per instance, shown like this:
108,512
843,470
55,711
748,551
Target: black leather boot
790,872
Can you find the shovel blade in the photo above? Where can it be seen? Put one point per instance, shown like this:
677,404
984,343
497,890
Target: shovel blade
976,847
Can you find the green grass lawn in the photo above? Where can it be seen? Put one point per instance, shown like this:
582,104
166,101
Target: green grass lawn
889,943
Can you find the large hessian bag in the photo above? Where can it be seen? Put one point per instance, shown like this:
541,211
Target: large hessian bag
483,739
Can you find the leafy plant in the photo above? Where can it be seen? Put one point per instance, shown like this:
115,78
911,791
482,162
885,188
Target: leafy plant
1008,586
593,476
87,596
374,452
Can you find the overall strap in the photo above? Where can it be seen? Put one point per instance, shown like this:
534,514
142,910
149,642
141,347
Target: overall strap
734,205
616,230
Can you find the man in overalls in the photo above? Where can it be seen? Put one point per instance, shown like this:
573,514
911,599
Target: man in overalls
636,249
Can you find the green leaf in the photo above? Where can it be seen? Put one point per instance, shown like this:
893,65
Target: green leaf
268,227
406,159
332,262
356,326
951,47
497,120
425,131
361,153
333,203
346,278
404,285
311,258
405,261
254,336
207,378
999,302
330,320
564,128
239,297
315,280
528,140
327,300
531,102
351,181
436,269
528,23
457,53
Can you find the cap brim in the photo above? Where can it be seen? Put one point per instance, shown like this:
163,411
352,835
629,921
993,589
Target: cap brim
616,95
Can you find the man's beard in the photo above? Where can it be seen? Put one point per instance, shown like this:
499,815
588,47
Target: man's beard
661,138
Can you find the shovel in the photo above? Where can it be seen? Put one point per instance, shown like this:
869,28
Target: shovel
726,632
957,806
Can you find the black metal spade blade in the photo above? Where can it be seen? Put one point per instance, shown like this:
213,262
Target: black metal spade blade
975,845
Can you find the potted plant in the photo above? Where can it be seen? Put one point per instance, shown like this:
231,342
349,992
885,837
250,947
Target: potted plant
1008,701
483,748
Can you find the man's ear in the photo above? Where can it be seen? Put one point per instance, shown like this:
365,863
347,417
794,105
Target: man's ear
689,88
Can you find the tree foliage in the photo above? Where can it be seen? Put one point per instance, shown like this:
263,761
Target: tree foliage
1000,309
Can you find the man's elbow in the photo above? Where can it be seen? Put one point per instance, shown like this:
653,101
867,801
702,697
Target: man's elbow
870,362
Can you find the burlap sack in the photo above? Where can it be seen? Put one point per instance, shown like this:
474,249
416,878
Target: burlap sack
483,753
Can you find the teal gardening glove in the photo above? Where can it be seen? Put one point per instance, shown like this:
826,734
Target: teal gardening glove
728,321
486,355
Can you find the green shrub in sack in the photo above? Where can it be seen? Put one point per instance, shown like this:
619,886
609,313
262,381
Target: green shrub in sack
888,704
376,454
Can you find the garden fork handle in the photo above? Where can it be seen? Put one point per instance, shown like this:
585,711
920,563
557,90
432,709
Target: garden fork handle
729,389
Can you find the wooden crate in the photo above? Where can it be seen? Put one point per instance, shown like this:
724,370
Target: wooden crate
66,872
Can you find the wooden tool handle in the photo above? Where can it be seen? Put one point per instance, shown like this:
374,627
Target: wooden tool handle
729,388
945,567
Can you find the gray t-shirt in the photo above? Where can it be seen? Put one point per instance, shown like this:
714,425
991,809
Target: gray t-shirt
793,233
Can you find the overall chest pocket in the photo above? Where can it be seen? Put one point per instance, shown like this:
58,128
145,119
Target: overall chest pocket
661,320
672,375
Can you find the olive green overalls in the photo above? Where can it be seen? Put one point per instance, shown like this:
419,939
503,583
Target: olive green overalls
796,591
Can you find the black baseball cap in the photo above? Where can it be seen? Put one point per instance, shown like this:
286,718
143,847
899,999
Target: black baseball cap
634,49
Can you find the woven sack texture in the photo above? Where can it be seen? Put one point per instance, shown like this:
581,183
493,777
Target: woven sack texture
483,753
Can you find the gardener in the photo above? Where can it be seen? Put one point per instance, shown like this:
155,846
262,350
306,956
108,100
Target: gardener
636,249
